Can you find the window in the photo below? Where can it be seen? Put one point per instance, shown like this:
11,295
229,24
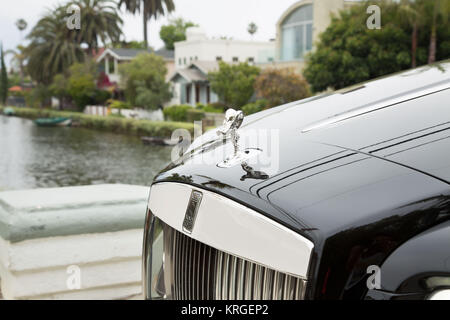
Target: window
188,93
235,59
184,60
251,60
296,33
111,66
179,61
196,58
218,58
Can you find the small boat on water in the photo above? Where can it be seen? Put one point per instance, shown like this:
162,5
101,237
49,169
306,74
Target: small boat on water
8,111
158,141
53,122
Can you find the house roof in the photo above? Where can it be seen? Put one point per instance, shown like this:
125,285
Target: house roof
197,71
165,53
15,89
192,75
206,66
128,54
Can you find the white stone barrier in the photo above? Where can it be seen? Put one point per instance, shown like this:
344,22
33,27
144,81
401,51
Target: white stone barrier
72,243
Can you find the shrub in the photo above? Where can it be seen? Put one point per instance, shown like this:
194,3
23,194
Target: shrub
177,112
210,108
113,124
234,83
144,81
280,86
38,96
194,115
254,107
219,106
101,96
117,104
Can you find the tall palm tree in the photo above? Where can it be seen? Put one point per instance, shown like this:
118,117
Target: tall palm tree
21,24
252,29
411,11
440,8
100,22
53,47
149,9
18,58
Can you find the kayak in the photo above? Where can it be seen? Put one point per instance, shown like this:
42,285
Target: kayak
8,111
53,122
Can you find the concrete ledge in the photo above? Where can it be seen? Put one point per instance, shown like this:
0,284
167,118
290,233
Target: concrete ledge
96,229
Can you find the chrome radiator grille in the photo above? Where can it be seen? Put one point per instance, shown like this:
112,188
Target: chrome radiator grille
195,271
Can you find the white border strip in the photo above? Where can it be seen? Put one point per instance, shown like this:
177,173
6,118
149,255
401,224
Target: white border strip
233,228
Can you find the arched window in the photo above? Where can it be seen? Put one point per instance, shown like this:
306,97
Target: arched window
296,33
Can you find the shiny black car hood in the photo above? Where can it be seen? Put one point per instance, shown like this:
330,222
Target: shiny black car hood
308,169
341,166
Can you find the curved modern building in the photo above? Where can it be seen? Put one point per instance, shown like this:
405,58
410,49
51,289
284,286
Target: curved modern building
299,28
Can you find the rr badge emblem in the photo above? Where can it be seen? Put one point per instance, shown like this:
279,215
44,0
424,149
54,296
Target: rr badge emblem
191,212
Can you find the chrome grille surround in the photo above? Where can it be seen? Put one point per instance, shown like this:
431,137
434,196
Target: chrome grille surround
232,251
196,271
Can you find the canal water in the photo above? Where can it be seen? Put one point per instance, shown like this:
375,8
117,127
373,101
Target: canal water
35,157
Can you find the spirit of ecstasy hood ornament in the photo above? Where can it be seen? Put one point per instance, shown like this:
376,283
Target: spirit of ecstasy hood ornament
233,121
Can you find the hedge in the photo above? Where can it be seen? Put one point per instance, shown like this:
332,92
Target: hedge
161,129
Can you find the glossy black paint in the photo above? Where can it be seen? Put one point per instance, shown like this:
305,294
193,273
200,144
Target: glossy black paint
358,189
421,265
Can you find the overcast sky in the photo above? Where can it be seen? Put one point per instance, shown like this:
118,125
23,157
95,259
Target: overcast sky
217,17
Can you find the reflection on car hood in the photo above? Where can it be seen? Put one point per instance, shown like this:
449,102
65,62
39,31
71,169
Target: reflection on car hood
379,143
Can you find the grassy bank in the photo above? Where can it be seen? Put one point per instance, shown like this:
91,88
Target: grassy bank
162,129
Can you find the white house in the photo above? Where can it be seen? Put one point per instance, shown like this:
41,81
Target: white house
110,60
198,47
191,86
198,55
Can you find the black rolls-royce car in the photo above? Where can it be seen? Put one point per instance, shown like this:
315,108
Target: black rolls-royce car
345,195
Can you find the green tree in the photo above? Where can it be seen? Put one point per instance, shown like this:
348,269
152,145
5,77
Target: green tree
349,53
175,31
234,83
18,59
3,78
59,89
144,80
440,13
149,9
280,86
81,83
53,47
411,11
100,22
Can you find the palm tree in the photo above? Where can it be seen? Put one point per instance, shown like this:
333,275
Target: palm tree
440,8
252,28
412,11
53,47
18,59
149,9
100,22
21,24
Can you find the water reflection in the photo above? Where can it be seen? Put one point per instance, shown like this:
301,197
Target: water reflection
34,157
